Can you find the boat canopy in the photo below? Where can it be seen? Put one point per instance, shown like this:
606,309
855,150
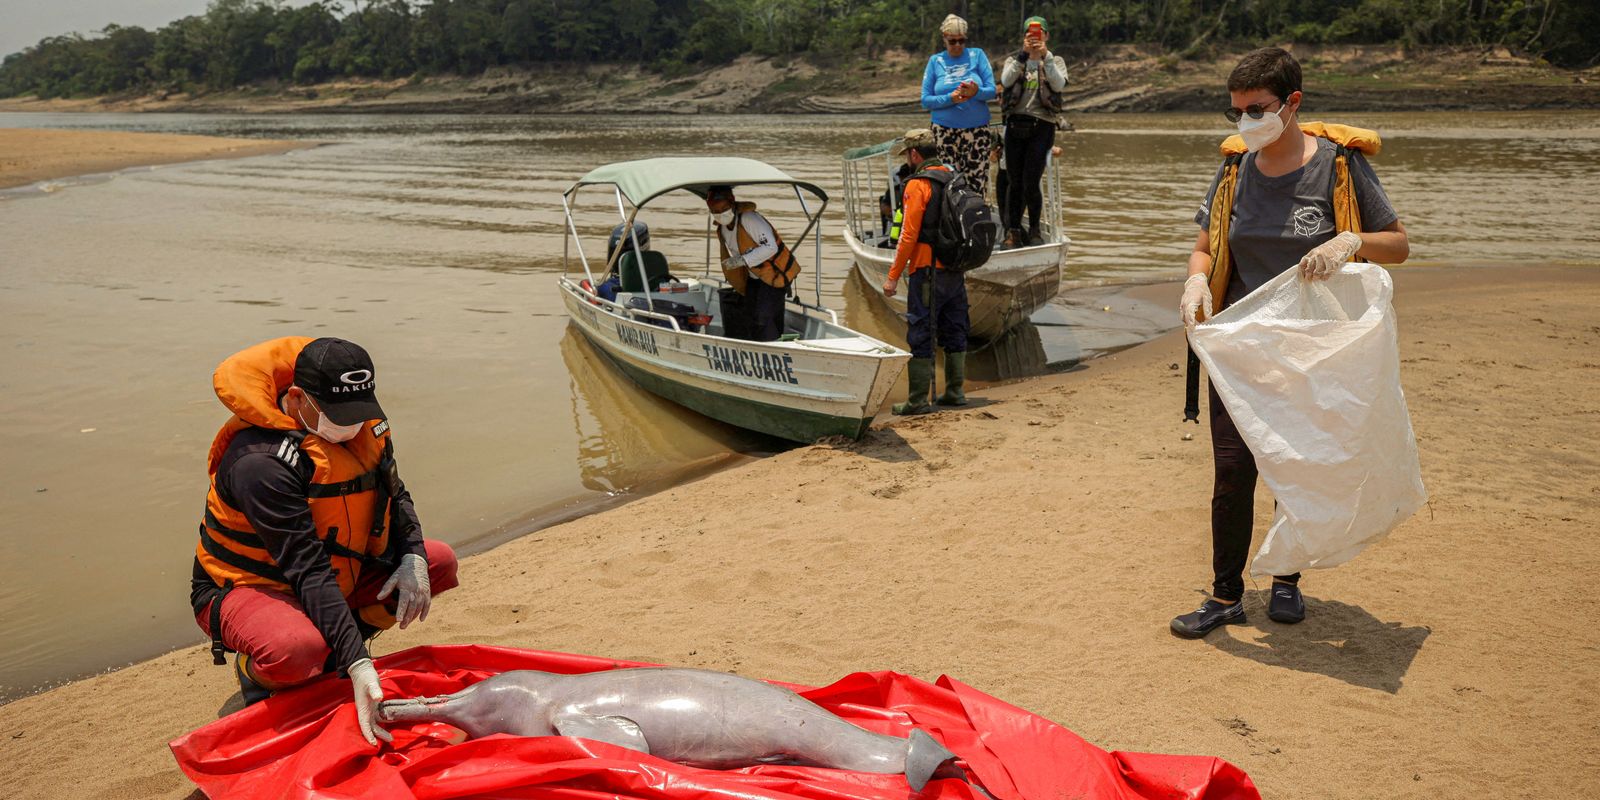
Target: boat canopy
646,179
869,151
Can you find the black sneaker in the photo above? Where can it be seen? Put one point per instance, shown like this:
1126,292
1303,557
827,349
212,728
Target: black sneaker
1286,606
1209,616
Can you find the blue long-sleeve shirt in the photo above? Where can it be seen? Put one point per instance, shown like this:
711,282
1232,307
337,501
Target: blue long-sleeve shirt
942,77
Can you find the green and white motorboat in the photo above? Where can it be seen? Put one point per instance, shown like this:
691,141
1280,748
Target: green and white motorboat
819,379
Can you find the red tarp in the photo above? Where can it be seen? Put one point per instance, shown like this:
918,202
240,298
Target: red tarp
304,744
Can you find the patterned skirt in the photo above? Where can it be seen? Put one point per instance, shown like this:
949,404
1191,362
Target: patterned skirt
966,150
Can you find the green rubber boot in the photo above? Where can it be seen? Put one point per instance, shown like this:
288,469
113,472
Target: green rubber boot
921,374
955,375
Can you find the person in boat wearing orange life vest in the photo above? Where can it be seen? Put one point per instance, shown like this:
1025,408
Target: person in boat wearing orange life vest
755,260
1289,195
310,543
933,289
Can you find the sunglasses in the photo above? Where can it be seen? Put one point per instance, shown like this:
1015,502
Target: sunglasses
962,40
1254,111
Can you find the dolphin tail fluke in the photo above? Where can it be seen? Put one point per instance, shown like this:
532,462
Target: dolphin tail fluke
924,756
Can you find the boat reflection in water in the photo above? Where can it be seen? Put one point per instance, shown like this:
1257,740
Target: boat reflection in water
1018,353
631,441
1073,328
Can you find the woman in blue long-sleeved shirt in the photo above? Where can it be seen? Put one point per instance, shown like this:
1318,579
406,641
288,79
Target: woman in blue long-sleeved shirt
957,87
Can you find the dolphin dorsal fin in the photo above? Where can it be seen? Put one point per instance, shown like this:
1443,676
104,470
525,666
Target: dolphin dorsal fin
620,731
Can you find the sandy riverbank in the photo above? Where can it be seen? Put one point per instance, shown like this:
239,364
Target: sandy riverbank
28,155
1035,546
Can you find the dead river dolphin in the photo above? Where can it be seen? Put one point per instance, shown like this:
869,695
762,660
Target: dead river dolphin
694,717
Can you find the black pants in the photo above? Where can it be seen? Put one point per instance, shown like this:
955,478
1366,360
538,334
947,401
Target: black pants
944,293
1233,501
764,304
1028,143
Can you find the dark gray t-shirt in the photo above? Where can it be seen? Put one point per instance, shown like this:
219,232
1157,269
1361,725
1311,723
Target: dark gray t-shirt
1276,221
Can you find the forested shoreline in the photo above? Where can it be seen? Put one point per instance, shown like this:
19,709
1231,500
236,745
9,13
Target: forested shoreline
239,43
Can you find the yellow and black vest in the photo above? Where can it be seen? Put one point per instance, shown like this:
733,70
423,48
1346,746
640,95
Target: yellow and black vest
1011,96
1346,211
778,272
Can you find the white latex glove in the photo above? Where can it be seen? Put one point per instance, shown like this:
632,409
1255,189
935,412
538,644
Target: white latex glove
733,262
1196,296
415,594
368,694
1326,258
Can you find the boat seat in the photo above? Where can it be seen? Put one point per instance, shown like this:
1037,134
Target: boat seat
655,270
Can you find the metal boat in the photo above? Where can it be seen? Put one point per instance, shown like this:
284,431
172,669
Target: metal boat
1002,293
819,379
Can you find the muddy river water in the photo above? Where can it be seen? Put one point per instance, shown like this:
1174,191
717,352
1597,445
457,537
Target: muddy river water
435,242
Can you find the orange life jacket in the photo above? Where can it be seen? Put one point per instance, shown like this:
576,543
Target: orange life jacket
778,272
349,491
1346,211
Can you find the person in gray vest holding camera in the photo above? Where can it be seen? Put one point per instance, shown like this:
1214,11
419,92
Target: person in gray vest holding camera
1030,102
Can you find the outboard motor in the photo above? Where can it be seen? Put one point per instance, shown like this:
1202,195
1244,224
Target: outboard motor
640,230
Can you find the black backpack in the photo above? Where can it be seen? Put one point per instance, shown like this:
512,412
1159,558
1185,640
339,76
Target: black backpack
958,223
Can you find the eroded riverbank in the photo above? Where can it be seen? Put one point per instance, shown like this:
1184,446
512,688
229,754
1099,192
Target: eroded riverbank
1126,78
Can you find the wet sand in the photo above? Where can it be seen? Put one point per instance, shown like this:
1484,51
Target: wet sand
28,155
1035,545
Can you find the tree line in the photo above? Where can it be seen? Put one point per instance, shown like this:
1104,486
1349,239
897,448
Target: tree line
238,42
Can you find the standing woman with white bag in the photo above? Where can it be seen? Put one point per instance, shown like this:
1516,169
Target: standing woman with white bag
1288,195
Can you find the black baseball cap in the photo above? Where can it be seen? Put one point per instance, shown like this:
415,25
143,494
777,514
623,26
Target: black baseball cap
339,376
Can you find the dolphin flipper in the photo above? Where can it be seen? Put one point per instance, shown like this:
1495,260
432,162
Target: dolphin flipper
620,731
924,756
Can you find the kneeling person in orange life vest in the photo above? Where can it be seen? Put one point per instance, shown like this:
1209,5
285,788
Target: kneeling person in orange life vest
310,543
756,262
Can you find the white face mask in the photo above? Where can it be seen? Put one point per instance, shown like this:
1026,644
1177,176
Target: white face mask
723,218
1259,133
327,430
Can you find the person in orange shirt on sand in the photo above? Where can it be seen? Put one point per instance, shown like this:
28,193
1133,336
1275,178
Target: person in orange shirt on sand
937,298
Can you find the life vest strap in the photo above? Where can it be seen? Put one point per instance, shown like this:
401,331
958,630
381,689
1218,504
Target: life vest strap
243,538
215,549
219,650
383,507
335,549
365,482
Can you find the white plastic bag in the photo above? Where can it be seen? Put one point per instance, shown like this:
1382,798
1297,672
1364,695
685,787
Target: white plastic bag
1310,373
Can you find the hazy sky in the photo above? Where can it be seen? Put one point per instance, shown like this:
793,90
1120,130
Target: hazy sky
24,22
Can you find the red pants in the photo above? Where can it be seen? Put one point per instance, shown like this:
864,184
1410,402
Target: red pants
284,647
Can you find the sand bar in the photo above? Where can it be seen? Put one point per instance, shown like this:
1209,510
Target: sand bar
28,155
1035,547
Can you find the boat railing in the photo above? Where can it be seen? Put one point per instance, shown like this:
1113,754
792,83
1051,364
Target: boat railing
617,308
1054,201
861,189
629,213
640,312
833,316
